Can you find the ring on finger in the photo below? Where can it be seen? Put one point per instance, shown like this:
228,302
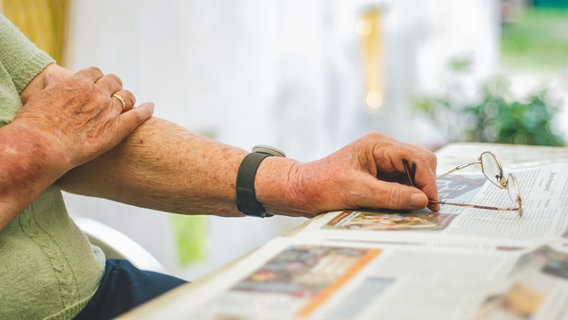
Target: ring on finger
121,100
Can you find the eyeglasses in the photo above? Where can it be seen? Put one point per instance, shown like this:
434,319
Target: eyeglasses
492,170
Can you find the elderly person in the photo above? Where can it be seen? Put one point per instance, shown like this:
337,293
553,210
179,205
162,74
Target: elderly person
81,132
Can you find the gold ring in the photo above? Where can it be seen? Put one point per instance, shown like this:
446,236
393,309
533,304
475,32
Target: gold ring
121,100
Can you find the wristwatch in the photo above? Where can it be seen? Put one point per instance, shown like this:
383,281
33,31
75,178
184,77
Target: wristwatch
246,195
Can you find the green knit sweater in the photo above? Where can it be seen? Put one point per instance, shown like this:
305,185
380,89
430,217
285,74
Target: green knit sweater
48,268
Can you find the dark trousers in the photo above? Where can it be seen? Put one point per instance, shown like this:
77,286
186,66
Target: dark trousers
124,287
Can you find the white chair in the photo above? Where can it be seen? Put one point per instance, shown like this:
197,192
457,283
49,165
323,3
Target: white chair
117,245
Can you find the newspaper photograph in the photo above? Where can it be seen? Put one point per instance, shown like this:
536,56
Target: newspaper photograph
537,288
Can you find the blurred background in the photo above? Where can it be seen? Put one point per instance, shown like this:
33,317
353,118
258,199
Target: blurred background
309,77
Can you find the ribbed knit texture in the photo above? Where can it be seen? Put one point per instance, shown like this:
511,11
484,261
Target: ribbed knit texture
48,269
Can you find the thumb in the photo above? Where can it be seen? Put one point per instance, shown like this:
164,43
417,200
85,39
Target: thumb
392,195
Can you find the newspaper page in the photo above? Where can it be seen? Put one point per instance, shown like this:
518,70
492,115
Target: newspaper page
291,278
536,288
544,191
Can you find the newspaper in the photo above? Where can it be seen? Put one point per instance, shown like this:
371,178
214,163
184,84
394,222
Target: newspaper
544,191
293,278
458,263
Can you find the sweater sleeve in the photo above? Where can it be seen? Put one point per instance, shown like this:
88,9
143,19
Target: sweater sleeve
19,56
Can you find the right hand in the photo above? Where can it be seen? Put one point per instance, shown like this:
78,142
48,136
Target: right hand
367,173
76,115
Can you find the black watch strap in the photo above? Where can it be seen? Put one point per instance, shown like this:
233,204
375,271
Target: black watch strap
246,195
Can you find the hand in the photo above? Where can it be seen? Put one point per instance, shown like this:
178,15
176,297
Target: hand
369,173
76,115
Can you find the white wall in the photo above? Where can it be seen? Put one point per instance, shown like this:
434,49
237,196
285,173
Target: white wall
284,72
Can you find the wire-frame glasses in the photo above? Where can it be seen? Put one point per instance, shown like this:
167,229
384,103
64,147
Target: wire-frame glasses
493,171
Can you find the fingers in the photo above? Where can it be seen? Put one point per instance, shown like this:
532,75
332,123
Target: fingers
91,73
110,84
135,117
425,175
124,100
425,172
389,156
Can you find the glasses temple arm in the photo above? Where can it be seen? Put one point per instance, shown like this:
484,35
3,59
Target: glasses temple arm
476,206
461,166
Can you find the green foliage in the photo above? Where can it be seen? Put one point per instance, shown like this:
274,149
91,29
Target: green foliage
536,40
494,117
527,121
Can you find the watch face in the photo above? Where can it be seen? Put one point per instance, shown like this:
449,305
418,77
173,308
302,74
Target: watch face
268,150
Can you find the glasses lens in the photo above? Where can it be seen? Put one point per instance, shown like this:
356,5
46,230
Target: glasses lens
514,190
492,169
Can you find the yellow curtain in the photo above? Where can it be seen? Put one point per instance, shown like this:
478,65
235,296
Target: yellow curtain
42,21
370,29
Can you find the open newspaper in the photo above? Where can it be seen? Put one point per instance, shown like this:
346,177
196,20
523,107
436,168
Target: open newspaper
458,263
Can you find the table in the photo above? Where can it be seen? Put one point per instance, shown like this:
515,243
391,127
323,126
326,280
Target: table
168,306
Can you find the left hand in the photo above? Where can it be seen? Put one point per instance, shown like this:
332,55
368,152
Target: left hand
368,173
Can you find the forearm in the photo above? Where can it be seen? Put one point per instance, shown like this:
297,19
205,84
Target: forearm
165,167
30,161
26,170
